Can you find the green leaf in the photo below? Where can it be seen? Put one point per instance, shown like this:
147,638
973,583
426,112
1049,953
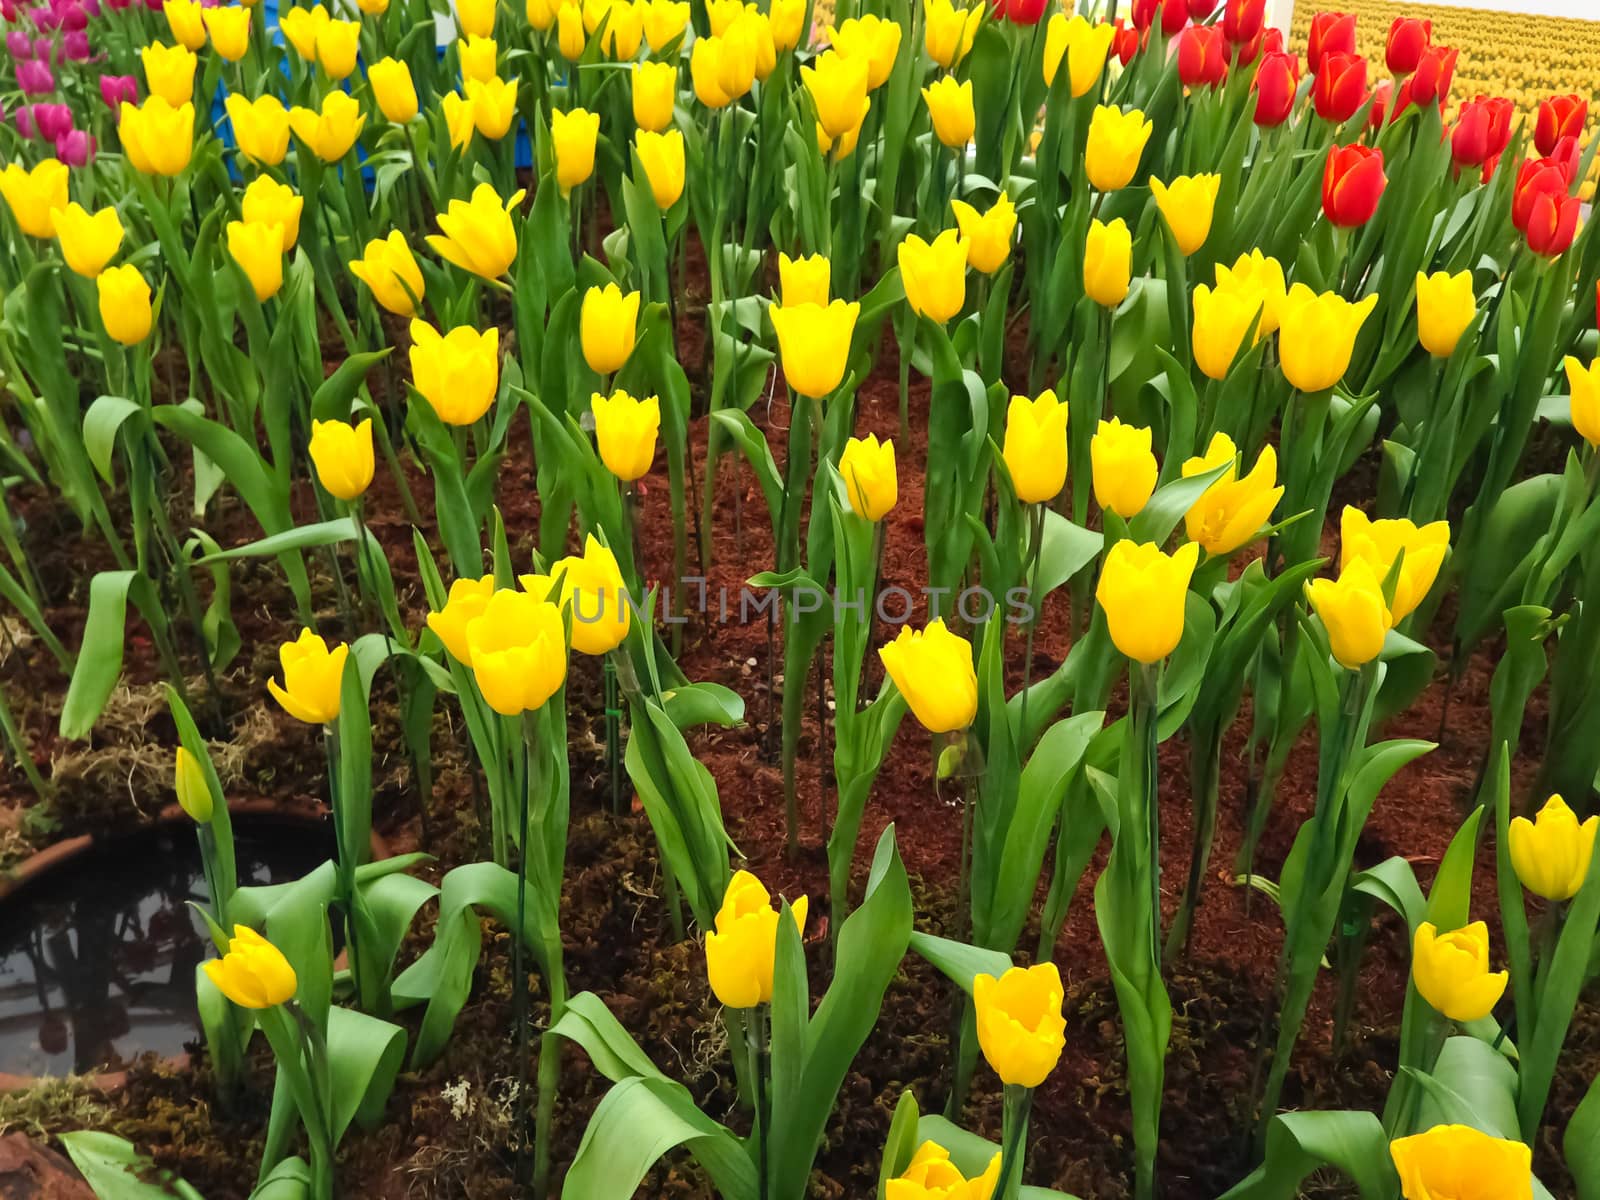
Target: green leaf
959,962
115,1170
301,537
334,396
99,654
1300,1143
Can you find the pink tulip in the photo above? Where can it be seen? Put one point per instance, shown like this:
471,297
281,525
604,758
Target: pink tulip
19,44
25,122
75,148
52,120
114,89
34,77
75,46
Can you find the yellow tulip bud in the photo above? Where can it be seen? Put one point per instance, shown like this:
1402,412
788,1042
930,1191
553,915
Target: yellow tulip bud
1551,853
337,45
1458,1162
1187,204
570,38
1142,592
1382,542
229,27
932,669
932,1176
721,14
391,274
841,149
156,137
607,326
1221,319
1232,511
494,106
948,31
1451,971
935,274
467,600
194,790
838,88
479,58
593,588
1445,307
814,343
260,128
1021,1030
186,21
723,68
661,156
518,651
804,280
1035,449
623,32
460,121
870,480
268,202
1084,46
259,250
1583,386
1260,279
1317,335
655,95
35,196
950,107
88,240
458,373
872,39
124,304
373,8
477,235
253,973
302,26
574,134
625,430
312,678
329,132
394,90
664,22
1124,467
476,17
788,18
1116,143
1108,262
741,951
342,455
1353,612
988,235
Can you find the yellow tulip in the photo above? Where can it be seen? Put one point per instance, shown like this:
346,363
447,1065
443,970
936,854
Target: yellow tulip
1259,278
88,240
1551,853
574,134
661,156
35,196
1232,510
1382,542
494,106
302,26
623,32
331,131
373,8
935,274
1317,335
664,22
607,326
1084,46
541,14
655,95
723,68
1035,449
788,19
394,90
721,14
814,343
1116,143
466,601
1124,467
870,480
1445,307
988,234
253,973
1583,386
194,792
804,280
186,20
1108,262
1458,1162
570,38
342,455
1451,971
258,249
950,107
477,235
457,373
843,147
1187,204
124,299
1221,319
312,678
460,121
476,17
157,138
518,651
932,669
1142,591
260,128
337,45
479,58
391,274
268,202
229,27
593,588
740,952
625,429
872,39
838,88
1353,612
932,1176
1021,1030
948,31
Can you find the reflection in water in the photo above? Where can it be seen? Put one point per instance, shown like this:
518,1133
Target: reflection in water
97,958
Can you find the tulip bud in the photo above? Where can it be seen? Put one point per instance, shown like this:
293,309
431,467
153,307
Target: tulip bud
1019,12
870,481
88,241
391,273
655,95
479,58
115,89
1276,83
1318,335
988,235
662,160
838,88
1124,467
342,455
607,325
625,430
814,344
458,373
1551,854
1187,205
1142,593
268,202
950,106
260,128
1035,449
948,31
592,587
494,109
1445,307
169,72
1469,137
313,676
229,27
664,22
1353,612
258,249
1431,82
1020,1026
194,791
395,92
1108,262
1340,87
186,20
932,669
124,299
1352,184
1559,117
1408,38
741,951
1243,20
1434,1164
467,600
1202,56
1583,383
475,17
934,275
518,652
1084,46
330,131
1115,144
1451,971
804,280
253,973
1331,33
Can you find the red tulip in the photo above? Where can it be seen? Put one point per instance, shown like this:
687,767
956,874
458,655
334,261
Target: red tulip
1340,87
1535,178
1199,10
1331,33
1019,12
1431,82
1552,223
1272,43
1501,111
1469,139
1126,41
1381,95
1565,155
1202,56
1352,184
1246,53
1408,38
1559,117
1277,79
1243,20
1174,14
